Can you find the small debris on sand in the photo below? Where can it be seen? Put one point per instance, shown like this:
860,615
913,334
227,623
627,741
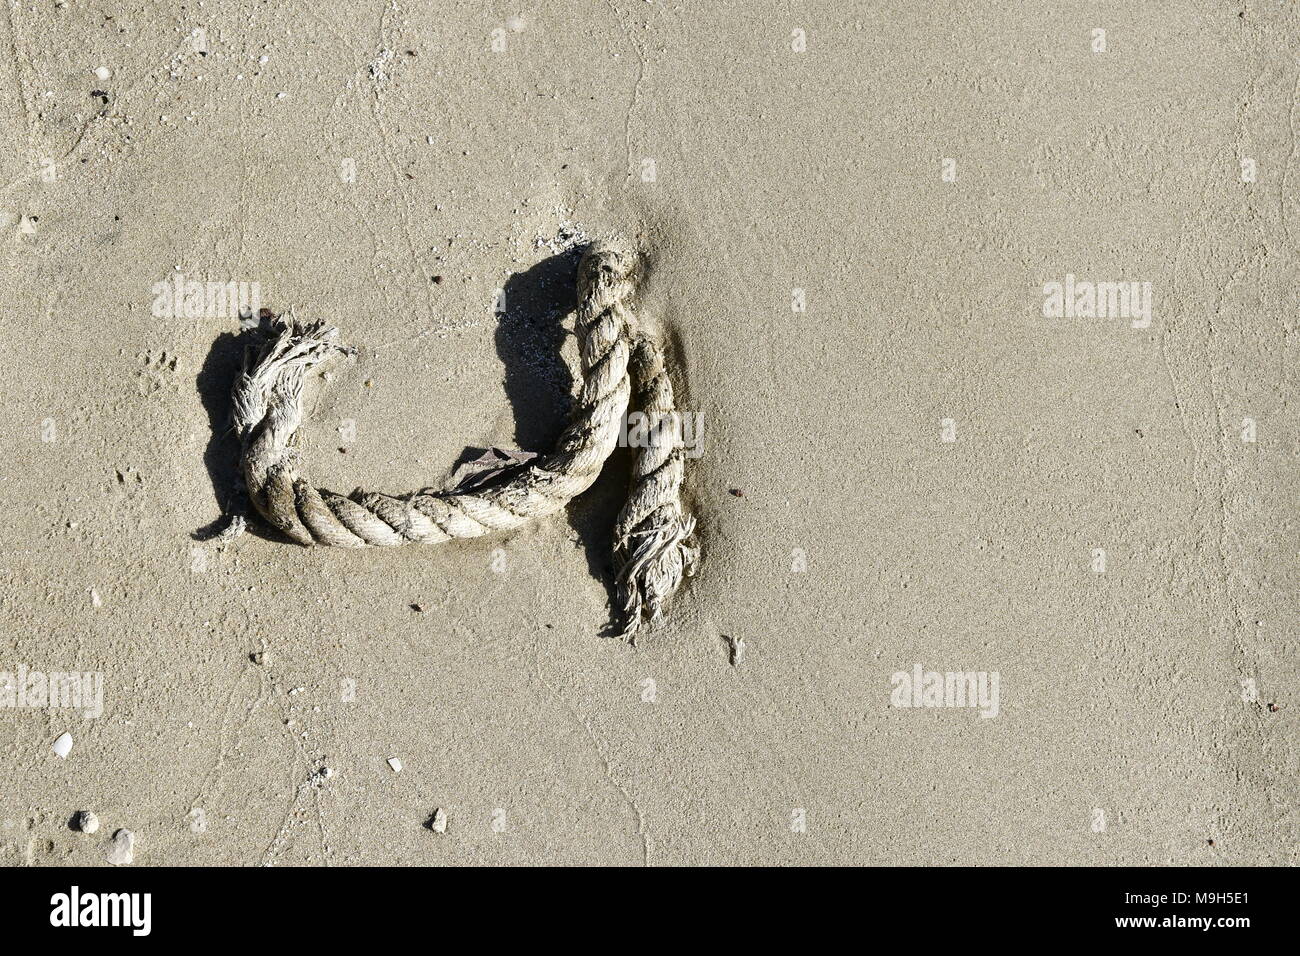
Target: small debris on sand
320,777
86,821
122,851
736,647
438,822
63,744
395,764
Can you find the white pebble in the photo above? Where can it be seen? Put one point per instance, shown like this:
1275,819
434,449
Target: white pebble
438,822
86,821
395,764
63,744
102,73
122,852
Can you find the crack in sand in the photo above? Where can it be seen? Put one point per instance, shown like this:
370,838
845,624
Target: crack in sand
606,765
636,86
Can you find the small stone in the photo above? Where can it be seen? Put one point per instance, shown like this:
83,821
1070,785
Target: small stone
417,608
102,73
395,764
260,657
63,744
122,850
86,821
438,822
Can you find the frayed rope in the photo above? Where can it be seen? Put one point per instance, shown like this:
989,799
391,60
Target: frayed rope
654,547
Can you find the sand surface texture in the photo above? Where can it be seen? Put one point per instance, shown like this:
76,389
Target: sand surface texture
849,213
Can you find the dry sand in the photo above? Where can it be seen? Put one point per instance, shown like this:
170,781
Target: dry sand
342,156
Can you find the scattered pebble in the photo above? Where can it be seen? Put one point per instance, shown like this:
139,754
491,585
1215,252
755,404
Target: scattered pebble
102,73
736,493
260,657
438,822
395,764
63,744
86,821
122,851
417,608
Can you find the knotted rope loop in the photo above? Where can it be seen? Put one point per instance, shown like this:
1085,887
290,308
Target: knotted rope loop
652,536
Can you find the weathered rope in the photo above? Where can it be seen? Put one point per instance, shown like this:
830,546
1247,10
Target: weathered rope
652,543
652,536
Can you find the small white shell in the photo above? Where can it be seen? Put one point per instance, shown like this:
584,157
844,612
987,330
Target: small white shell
122,852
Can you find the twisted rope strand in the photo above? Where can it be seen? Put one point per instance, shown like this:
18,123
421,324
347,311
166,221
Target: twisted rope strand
652,529
652,537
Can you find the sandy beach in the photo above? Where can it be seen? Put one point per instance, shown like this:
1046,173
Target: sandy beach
984,324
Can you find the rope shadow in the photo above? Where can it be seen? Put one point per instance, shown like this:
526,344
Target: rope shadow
540,388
